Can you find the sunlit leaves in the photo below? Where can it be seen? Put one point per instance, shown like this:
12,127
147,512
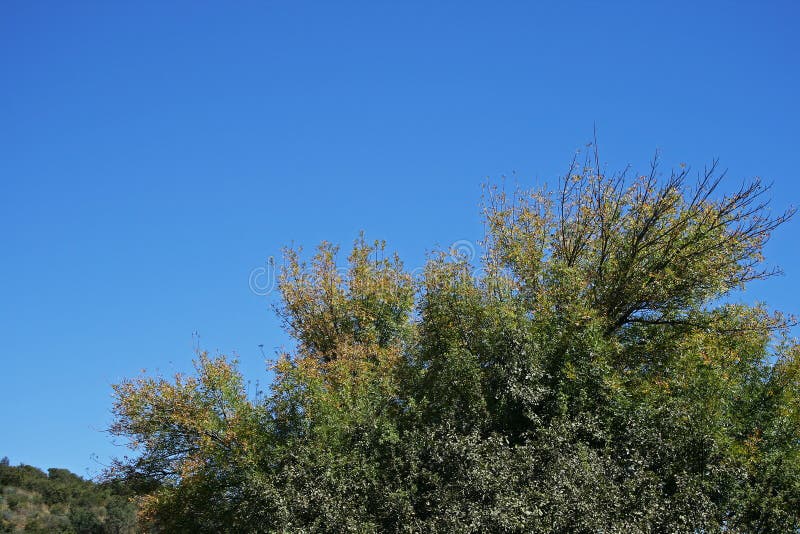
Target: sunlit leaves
586,376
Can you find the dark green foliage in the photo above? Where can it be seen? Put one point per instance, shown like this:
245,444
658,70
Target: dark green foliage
589,379
60,501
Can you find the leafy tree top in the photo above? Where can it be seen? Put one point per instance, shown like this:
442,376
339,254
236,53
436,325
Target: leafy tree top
588,377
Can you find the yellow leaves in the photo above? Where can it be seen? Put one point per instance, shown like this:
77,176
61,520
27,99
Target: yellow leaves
753,442
187,419
569,371
651,244
662,384
326,306
191,465
148,507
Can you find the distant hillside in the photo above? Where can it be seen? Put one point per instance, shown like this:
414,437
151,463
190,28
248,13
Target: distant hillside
60,501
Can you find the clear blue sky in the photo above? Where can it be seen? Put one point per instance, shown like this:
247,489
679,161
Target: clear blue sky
152,154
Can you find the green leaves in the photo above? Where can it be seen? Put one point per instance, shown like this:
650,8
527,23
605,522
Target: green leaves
588,379
643,250
60,501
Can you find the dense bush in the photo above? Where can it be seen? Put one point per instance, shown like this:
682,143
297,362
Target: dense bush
60,501
588,375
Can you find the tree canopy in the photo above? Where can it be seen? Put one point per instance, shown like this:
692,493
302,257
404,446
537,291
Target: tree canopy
588,374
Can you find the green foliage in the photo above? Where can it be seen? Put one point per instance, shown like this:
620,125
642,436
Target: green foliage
591,378
60,501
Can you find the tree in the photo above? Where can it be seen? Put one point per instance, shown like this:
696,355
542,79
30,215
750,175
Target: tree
60,501
591,376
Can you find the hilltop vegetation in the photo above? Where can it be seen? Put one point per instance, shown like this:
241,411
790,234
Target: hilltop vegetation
588,374
60,501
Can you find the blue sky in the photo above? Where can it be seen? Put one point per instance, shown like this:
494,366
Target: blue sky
153,154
